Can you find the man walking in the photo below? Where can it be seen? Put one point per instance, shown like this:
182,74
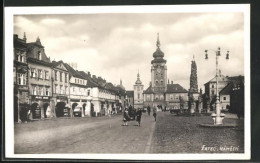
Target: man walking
139,116
154,112
148,110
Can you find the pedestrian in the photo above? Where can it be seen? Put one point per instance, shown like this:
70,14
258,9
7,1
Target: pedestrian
125,117
139,116
154,112
148,110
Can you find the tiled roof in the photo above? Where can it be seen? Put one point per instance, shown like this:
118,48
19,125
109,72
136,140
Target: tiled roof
90,82
221,78
175,88
226,90
73,72
130,93
148,90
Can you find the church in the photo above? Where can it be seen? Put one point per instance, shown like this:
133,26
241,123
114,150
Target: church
160,92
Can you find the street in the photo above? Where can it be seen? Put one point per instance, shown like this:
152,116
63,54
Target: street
170,134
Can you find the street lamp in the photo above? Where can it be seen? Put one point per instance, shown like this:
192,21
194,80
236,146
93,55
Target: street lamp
218,116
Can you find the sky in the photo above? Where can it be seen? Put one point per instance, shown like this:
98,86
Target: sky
117,46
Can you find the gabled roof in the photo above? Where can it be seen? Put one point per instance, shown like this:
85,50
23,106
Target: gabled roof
73,72
221,78
226,90
90,82
130,93
175,88
148,90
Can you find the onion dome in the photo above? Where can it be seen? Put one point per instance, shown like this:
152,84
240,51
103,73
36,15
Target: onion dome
158,54
138,81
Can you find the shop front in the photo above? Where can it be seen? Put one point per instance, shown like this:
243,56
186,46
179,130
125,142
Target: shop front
62,107
39,106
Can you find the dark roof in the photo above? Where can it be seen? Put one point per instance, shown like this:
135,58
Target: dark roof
130,93
226,90
237,79
175,88
148,90
19,43
90,82
72,71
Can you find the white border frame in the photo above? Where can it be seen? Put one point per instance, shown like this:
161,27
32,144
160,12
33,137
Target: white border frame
9,124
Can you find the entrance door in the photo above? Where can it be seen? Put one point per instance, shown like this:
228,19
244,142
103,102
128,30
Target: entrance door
59,109
36,111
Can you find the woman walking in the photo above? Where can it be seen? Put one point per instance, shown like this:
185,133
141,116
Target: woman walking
139,116
125,117
154,112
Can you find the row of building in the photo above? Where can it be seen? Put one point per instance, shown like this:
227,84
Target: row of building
47,88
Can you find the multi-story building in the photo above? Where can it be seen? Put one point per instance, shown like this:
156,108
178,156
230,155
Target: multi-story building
155,94
138,93
40,84
79,95
61,88
20,73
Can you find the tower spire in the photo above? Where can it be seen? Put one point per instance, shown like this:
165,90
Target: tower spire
24,37
158,44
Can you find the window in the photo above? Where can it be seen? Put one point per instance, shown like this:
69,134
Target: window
224,98
21,79
75,80
161,82
80,81
156,82
61,76
40,91
156,97
39,55
40,74
138,95
56,88
33,73
73,89
212,92
47,75
66,89
47,93
56,75
171,97
148,97
88,92
34,92
66,80
161,97
176,97
212,86
61,89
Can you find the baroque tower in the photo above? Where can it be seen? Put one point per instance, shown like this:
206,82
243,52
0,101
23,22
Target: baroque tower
193,77
138,93
159,73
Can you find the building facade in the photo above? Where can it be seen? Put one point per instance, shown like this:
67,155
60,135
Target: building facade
40,84
61,89
159,93
20,74
138,93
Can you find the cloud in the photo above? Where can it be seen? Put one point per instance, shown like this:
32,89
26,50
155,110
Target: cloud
115,46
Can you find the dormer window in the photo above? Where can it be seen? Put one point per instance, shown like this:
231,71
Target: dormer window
39,55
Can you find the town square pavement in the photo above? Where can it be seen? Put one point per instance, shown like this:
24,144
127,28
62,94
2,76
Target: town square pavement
169,134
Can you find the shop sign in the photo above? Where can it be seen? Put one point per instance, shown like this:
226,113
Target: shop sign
45,98
38,97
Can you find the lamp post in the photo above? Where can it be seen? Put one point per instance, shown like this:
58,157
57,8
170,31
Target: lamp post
218,116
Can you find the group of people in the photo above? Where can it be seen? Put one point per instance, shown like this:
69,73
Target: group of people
138,115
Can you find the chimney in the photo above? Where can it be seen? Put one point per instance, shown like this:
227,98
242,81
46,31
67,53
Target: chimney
171,82
89,74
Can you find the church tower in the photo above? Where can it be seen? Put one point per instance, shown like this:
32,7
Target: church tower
138,93
193,77
159,74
